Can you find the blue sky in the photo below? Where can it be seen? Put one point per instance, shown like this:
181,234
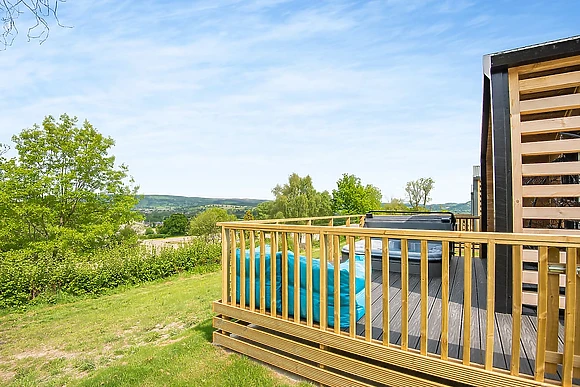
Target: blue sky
226,98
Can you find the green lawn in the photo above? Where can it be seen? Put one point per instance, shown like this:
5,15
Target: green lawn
157,334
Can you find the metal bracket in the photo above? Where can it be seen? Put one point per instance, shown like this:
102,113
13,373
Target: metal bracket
560,268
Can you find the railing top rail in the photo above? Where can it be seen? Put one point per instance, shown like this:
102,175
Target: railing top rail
288,220
459,236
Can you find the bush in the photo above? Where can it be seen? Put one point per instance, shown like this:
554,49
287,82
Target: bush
24,275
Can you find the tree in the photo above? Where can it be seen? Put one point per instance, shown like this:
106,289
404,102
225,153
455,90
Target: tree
204,224
299,199
395,205
418,191
41,11
175,224
352,197
248,215
63,189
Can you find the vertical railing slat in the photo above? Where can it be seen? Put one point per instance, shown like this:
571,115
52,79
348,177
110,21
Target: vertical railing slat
242,269
351,286
252,271
309,293
368,317
386,275
284,275
323,283
445,300
297,286
540,366
570,317
273,270
553,308
490,321
262,273
467,303
234,273
424,297
225,267
404,294
336,267
576,371
516,308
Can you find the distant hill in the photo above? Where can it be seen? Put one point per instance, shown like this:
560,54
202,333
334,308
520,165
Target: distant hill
158,207
456,208
170,202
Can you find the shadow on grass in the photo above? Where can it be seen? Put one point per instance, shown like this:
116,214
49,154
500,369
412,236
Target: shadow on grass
206,329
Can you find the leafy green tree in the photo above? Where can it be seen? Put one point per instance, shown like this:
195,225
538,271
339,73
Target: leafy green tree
264,210
395,205
419,191
248,215
63,190
352,197
175,224
204,224
299,199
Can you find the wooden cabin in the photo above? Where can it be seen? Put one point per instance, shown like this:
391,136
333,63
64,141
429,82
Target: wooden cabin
529,151
290,300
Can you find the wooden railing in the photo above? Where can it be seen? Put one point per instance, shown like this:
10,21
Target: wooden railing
261,324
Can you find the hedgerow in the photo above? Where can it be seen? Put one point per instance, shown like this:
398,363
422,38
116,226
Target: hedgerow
24,275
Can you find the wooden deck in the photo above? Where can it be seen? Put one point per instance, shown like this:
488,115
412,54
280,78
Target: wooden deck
503,322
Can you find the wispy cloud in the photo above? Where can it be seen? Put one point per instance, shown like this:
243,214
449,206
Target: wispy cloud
227,98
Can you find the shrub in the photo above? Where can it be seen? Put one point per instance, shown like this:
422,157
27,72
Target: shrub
25,275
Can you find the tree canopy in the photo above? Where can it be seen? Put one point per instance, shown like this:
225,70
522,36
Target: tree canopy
352,197
299,199
419,191
63,188
175,224
204,224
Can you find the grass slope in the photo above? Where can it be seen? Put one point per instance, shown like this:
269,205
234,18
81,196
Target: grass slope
157,334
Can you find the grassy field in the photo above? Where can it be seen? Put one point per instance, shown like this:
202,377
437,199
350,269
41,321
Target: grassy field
157,334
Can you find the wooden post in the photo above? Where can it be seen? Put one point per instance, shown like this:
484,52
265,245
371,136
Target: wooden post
386,284
467,304
309,306
323,283
252,271
242,269
445,300
296,277
404,294
284,276
368,299
336,267
233,274
424,297
351,287
542,314
516,309
553,308
490,321
273,269
570,319
262,273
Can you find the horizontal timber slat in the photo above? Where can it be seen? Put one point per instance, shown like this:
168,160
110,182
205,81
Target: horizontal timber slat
530,298
550,82
552,231
531,277
550,125
551,212
550,169
550,147
548,104
299,368
555,190
322,357
549,65
413,361
532,255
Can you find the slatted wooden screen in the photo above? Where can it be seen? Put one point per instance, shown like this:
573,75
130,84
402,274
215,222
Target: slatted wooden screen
545,138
